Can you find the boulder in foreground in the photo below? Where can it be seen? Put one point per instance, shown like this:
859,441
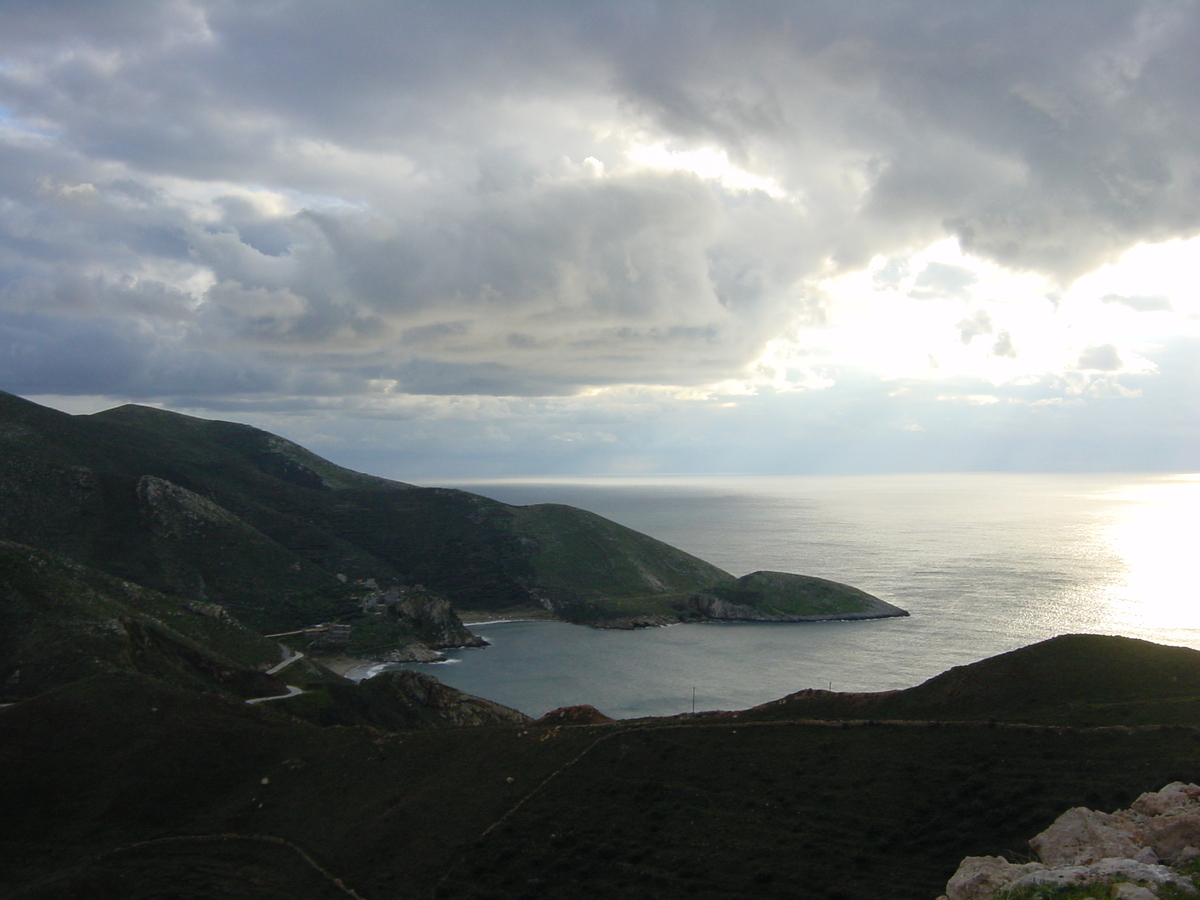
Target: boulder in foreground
1133,850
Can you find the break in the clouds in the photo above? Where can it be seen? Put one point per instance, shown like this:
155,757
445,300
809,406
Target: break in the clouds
542,231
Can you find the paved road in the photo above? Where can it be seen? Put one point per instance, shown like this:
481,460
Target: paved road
287,661
292,692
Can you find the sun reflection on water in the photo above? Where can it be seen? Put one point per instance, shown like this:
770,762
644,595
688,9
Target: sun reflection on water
1154,530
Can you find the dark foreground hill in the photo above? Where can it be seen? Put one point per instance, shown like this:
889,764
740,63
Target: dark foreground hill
1074,679
122,785
221,512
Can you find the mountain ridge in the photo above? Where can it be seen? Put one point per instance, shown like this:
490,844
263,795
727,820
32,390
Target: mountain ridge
225,512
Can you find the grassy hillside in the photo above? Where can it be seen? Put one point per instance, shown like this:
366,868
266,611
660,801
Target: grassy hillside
195,796
595,569
229,513
1074,679
60,621
782,595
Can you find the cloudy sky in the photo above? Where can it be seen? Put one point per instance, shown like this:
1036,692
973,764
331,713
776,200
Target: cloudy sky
487,239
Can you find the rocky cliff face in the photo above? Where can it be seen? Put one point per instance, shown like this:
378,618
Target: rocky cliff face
432,618
409,624
1140,850
429,703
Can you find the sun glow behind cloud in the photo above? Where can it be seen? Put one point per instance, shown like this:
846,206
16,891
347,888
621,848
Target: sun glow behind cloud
710,163
938,314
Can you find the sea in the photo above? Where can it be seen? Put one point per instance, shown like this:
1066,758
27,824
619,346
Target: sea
984,564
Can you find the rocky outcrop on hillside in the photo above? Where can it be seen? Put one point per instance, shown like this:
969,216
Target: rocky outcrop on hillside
1138,850
426,702
408,624
584,714
431,618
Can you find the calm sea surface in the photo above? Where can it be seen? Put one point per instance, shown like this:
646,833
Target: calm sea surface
984,563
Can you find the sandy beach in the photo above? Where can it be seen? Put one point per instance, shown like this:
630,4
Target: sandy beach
348,666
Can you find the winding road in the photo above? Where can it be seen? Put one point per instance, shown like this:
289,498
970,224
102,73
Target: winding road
287,661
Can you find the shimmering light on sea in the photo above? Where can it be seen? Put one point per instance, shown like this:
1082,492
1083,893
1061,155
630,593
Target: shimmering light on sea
985,563
1155,532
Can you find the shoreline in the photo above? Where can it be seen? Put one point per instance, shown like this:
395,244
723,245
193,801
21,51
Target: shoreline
346,665
482,622
357,669
488,617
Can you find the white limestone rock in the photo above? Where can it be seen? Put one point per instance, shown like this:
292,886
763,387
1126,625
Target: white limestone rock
981,877
1133,892
1104,870
1081,836
1174,797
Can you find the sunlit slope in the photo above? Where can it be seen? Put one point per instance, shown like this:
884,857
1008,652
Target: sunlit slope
587,565
783,596
1077,679
229,513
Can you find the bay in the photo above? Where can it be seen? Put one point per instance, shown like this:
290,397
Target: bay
984,563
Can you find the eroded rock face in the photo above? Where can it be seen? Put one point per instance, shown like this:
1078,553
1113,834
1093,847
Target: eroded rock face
1084,846
440,704
426,615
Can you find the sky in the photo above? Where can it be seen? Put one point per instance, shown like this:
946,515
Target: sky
494,239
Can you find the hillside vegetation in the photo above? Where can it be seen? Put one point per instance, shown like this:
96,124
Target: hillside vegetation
198,795
1075,679
221,512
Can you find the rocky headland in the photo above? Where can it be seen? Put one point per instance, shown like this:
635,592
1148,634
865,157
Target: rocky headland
762,597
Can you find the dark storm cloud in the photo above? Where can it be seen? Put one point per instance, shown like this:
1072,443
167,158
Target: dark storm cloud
318,197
